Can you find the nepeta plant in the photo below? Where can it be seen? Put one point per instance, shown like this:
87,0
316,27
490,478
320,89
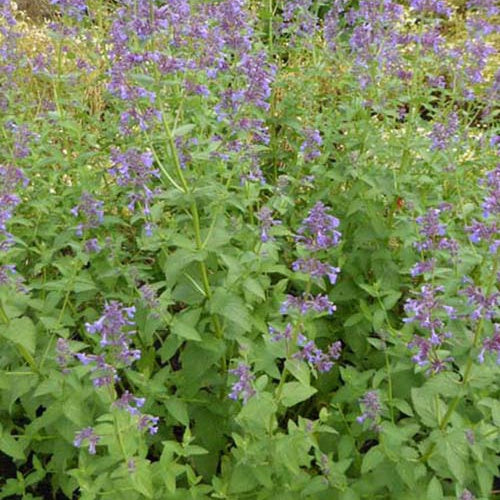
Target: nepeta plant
249,250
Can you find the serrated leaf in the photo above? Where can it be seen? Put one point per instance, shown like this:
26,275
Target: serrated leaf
372,459
182,328
299,370
428,406
232,307
21,331
11,447
295,392
434,489
178,409
254,287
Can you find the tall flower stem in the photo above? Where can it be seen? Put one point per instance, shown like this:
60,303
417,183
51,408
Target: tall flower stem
196,226
468,368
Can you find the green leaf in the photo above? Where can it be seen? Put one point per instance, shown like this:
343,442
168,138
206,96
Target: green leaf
183,325
299,370
142,479
374,457
232,307
429,407
295,392
21,331
434,489
183,130
178,409
11,447
254,287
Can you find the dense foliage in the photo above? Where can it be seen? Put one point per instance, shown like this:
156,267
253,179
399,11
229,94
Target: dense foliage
250,250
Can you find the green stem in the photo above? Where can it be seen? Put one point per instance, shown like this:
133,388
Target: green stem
468,368
197,228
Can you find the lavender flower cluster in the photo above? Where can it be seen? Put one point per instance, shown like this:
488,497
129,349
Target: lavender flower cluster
480,303
134,170
11,178
380,41
429,312
91,210
317,233
242,388
432,237
372,409
113,328
200,46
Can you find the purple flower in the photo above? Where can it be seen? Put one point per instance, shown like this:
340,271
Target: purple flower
319,229
89,435
491,204
426,266
467,495
331,24
266,222
298,20
9,276
491,345
110,325
135,171
91,210
64,354
23,137
489,7
323,362
443,133
148,422
71,8
308,302
376,38
372,409
104,374
148,295
92,246
316,269
484,306
10,179
428,310
310,147
242,388
432,230
130,403
276,335
431,7
481,231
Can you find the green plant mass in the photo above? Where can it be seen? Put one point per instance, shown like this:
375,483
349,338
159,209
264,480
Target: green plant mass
249,249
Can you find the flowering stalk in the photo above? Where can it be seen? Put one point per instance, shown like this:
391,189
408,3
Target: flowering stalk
197,229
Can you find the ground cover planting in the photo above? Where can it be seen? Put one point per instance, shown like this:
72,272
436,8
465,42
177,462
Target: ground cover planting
249,249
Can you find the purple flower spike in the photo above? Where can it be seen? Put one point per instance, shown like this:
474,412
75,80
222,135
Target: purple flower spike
91,210
323,362
148,422
316,269
310,147
242,388
319,229
277,335
130,403
305,303
491,345
89,435
443,133
267,221
111,327
370,403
